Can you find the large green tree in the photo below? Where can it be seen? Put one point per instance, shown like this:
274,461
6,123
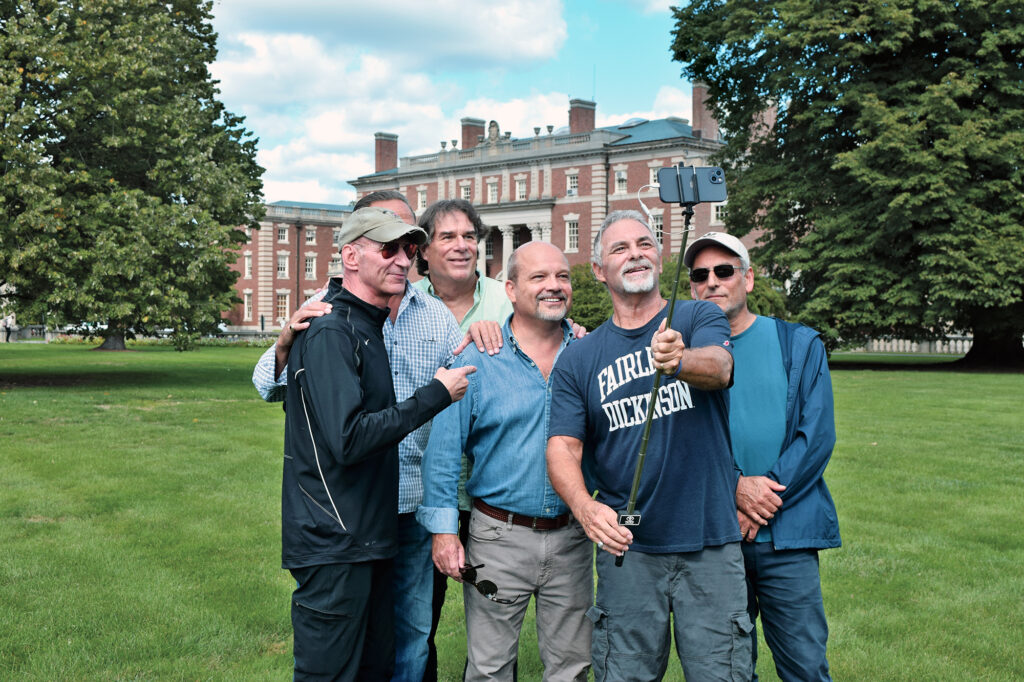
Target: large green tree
123,180
878,144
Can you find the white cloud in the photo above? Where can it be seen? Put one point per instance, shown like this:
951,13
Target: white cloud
413,31
670,101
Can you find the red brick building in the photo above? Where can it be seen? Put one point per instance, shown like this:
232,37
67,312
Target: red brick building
557,185
284,262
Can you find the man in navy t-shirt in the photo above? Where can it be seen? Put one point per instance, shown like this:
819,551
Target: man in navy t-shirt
684,557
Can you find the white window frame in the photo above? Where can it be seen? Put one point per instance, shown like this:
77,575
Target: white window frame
310,235
247,305
421,198
520,189
658,226
310,266
278,306
282,265
621,181
247,267
282,234
466,192
572,184
492,192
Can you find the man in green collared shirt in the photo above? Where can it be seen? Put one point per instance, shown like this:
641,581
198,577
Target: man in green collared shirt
448,264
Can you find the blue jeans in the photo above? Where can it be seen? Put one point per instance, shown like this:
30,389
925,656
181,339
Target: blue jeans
785,588
413,590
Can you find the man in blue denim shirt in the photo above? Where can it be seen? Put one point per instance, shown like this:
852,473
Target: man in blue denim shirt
521,536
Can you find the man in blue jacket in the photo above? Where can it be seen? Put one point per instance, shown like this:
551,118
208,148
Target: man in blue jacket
782,430
339,495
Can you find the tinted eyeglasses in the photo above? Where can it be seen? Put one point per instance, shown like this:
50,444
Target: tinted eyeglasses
723,271
484,587
389,250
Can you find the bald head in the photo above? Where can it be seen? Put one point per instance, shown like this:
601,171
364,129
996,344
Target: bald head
538,282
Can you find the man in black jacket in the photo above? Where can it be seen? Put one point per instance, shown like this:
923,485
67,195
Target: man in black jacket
340,484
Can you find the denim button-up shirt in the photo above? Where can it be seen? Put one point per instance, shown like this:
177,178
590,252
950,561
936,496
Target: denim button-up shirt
502,426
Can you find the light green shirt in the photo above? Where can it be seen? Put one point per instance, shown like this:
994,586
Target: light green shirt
490,302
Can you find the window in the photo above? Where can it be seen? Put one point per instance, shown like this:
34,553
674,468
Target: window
421,199
489,247
620,182
572,235
521,190
282,234
492,192
517,239
719,213
572,184
311,235
467,192
337,236
248,265
248,306
657,225
282,265
654,175
281,309
310,267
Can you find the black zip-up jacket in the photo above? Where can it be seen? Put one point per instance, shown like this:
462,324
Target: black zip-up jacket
339,493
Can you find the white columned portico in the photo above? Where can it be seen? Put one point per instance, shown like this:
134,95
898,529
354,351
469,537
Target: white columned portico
506,246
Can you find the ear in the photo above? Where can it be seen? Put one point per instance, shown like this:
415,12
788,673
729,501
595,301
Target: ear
598,271
748,279
510,290
350,257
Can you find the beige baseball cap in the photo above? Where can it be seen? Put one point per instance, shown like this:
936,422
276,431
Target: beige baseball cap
380,225
726,241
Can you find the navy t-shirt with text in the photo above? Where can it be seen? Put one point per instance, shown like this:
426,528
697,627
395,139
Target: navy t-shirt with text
601,386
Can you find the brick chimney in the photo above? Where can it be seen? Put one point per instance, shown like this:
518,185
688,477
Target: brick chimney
385,151
704,124
472,129
581,115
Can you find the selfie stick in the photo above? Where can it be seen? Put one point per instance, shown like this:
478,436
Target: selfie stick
628,517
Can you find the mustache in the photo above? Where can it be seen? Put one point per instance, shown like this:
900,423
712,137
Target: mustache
636,262
554,294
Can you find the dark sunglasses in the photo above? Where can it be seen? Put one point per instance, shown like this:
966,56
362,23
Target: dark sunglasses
484,587
389,250
724,271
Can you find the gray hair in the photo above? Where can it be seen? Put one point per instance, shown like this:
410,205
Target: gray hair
614,217
383,195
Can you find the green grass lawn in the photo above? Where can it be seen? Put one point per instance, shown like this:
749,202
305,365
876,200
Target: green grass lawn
139,523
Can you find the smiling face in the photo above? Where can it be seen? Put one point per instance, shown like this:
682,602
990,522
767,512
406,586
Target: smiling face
630,263
728,293
452,251
541,288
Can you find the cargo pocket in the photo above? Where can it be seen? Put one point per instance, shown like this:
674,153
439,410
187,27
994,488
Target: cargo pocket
319,639
598,641
742,654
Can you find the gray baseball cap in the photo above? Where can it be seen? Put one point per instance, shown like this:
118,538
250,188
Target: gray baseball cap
726,241
380,225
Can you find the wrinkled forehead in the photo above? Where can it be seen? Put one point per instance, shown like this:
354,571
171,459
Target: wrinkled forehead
625,231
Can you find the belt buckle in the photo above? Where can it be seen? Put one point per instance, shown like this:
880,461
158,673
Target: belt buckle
534,527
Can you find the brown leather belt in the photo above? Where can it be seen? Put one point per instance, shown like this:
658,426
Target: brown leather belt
534,522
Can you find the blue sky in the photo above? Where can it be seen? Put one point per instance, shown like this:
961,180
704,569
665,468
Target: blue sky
316,79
